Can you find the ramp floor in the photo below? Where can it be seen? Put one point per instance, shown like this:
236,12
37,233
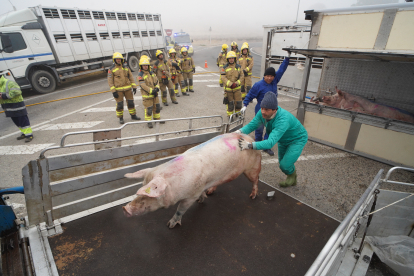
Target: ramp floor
228,234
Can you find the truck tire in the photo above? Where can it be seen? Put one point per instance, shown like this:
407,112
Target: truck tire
145,53
43,81
133,63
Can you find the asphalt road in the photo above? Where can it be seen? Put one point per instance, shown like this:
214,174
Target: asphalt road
328,179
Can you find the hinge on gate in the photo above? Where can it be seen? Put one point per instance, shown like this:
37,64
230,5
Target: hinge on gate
51,230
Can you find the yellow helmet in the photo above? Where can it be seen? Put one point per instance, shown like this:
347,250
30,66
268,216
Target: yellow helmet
184,50
118,55
231,54
224,47
159,52
144,60
172,50
234,43
245,46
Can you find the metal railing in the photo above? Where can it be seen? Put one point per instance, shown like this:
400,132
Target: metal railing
343,233
397,182
157,134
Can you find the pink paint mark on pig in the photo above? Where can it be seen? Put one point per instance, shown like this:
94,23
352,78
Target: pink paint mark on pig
178,158
230,146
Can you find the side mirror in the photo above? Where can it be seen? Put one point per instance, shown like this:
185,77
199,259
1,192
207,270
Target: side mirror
7,45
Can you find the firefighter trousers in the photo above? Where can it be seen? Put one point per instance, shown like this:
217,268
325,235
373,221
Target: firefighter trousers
152,108
188,81
246,85
164,89
179,82
235,103
129,97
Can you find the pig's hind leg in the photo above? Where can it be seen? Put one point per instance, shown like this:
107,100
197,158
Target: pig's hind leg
202,197
253,175
182,208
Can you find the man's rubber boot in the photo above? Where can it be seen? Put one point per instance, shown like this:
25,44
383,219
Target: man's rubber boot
121,120
28,139
185,94
177,95
221,85
150,125
269,151
166,104
191,90
21,137
134,117
175,102
290,180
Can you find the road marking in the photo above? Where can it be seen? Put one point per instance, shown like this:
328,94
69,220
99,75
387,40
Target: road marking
68,125
204,80
213,85
285,100
103,109
199,68
204,75
251,50
310,157
23,149
56,92
57,118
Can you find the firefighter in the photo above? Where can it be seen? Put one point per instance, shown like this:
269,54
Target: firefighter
176,73
11,101
149,84
246,62
121,83
188,67
235,49
177,49
162,71
221,60
232,77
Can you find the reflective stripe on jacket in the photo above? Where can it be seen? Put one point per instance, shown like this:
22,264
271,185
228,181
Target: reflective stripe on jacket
231,73
120,78
147,80
11,98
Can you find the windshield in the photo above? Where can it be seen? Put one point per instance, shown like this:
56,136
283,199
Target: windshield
182,39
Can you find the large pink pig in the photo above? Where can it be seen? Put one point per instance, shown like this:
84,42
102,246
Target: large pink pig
186,178
348,101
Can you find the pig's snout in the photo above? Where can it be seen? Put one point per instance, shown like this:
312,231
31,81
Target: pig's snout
126,212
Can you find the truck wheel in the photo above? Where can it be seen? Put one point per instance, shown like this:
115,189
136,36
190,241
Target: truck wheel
133,63
43,82
145,54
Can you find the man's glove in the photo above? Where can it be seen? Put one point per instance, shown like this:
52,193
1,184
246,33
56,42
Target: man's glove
115,94
238,132
225,100
289,52
134,90
245,73
244,145
234,85
243,109
165,81
193,70
155,91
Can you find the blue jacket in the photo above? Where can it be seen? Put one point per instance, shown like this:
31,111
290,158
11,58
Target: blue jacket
260,88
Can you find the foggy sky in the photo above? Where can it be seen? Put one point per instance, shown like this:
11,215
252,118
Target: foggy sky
245,18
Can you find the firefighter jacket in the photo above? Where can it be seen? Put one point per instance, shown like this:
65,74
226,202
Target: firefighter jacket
161,69
147,80
237,53
11,98
120,78
232,73
221,60
187,64
246,62
174,65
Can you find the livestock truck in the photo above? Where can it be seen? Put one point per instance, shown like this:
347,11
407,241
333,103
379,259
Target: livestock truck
42,46
366,52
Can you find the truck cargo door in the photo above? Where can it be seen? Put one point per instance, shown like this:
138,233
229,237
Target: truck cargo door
21,57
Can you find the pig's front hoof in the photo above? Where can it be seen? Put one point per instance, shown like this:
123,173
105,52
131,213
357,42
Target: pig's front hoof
172,223
253,195
211,190
202,197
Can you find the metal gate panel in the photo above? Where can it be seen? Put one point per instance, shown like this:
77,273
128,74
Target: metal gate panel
388,83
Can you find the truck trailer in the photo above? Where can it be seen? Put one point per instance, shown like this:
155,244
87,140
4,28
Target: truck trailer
43,46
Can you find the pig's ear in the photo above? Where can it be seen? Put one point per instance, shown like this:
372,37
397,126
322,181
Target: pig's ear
138,174
155,188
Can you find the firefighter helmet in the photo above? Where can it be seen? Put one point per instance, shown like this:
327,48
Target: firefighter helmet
245,46
118,55
231,54
184,50
159,52
224,47
144,60
234,43
171,51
